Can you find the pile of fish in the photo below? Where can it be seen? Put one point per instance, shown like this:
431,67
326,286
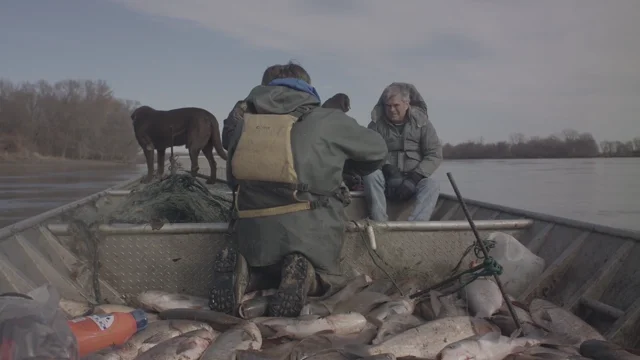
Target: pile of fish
364,320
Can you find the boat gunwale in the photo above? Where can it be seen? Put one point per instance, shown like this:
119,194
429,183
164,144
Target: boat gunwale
351,226
10,230
528,214
558,220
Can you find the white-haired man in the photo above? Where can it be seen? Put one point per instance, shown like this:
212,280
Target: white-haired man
415,152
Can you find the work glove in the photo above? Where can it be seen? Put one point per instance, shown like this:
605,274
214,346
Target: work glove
353,182
407,188
344,195
393,178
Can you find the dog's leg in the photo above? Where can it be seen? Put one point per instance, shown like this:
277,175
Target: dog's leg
208,153
193,155
148,154
161,155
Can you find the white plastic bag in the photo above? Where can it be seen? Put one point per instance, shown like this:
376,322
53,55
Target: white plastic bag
33,327
520,266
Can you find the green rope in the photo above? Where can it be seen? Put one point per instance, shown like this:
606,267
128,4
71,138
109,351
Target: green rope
477,251
489,267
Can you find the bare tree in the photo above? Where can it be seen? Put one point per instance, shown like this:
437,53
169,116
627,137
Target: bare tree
517,138
71,118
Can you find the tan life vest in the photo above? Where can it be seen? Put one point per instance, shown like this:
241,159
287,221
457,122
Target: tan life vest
264,155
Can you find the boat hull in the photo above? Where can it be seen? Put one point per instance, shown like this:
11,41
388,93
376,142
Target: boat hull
590,269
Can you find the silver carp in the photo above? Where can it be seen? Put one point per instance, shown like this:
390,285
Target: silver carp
160,331
159,301
154,334
328,340
546,353
401,306
280,352
218,321
324,307
396,324
188,346
447,305
504,321
559,320
493,346
362,302
244,336
483,297
258,293
111,308
305,326
329,354
380,357
254,307
426,341
73,309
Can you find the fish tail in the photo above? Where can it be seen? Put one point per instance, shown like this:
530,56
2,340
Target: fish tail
279,334
559,339
551,339
374,321
358,350
516,333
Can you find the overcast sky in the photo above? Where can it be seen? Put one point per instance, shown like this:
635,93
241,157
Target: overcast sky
486,68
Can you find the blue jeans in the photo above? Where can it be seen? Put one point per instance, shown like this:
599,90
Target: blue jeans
427,192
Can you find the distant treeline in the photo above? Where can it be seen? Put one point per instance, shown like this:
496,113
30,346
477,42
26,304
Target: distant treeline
570,144
70,119
76,119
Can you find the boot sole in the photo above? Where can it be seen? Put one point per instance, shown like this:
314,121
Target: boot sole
222,297
292,293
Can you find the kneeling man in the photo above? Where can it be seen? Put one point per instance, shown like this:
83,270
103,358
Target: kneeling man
285,160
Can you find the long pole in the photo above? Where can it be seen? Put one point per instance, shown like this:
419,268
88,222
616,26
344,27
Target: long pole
484,250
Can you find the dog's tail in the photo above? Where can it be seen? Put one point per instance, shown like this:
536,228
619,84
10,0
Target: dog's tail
216,139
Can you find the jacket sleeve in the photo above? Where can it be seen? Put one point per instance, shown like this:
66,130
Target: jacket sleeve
372,126
230,123
365,149
431,150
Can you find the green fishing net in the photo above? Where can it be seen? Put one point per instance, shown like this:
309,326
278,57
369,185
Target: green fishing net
177,198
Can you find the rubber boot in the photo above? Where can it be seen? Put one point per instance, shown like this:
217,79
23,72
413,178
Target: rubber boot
298,278
230,279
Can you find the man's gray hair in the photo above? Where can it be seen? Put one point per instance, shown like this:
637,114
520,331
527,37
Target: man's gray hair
396,90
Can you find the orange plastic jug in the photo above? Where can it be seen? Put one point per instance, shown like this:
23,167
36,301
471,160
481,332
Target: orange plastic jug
96,332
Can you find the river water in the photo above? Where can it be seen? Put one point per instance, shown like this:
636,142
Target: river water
603,191
30,189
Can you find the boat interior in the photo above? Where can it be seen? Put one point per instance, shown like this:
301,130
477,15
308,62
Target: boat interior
591,270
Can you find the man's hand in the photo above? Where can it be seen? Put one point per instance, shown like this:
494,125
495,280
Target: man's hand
392,178
344,194
407,188
352,181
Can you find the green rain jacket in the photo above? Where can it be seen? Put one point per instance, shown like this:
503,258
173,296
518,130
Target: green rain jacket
323,142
